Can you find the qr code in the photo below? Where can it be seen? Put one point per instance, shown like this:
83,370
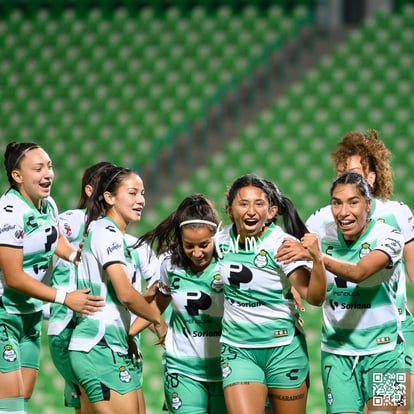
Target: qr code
389,389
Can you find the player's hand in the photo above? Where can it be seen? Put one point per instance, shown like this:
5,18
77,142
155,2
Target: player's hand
80,301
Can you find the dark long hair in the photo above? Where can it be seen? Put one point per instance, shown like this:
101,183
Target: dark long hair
293,224
15,152
89,177
109,179
358,180
166,236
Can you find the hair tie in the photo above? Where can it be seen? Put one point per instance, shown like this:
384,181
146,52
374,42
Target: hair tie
22,154
113,178
198,221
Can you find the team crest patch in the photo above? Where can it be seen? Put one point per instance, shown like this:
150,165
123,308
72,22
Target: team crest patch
9,354
329,396
365,249
261,259
217,283
176,401
226,370
124,374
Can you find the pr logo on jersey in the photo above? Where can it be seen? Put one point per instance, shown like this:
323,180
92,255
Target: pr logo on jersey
124,374
176,401
9,354
261,259
365,249
217,283
334,304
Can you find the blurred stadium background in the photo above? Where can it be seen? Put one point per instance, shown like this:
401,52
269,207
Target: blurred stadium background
192,94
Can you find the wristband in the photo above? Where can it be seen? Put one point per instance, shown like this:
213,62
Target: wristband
72,256
60,296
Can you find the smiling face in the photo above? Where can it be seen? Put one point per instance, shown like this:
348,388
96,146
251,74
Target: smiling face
34,176
350,210
198,246
250,211
127,203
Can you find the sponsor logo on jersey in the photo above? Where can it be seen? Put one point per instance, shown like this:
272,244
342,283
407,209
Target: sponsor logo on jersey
115,246
6,228
347,306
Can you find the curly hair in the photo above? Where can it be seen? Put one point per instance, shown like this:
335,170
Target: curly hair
375,157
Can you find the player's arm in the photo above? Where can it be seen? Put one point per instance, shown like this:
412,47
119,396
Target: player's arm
161,302
134,300
65,250
372,263
408,254
11,263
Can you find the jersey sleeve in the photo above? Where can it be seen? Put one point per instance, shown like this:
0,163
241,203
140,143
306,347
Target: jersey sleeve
164,282
71,224
392,243
11,228
149,264
406,223
108,245
319,218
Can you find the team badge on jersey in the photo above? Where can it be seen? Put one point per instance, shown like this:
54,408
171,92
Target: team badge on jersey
176,401
226,370
124,374
261,259
329,396
9,353
365,249
217,283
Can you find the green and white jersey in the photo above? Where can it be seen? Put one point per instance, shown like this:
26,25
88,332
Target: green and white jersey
23,226
103,245
259,309
147,263
147,269
394,213
192,343
362,318
63,276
